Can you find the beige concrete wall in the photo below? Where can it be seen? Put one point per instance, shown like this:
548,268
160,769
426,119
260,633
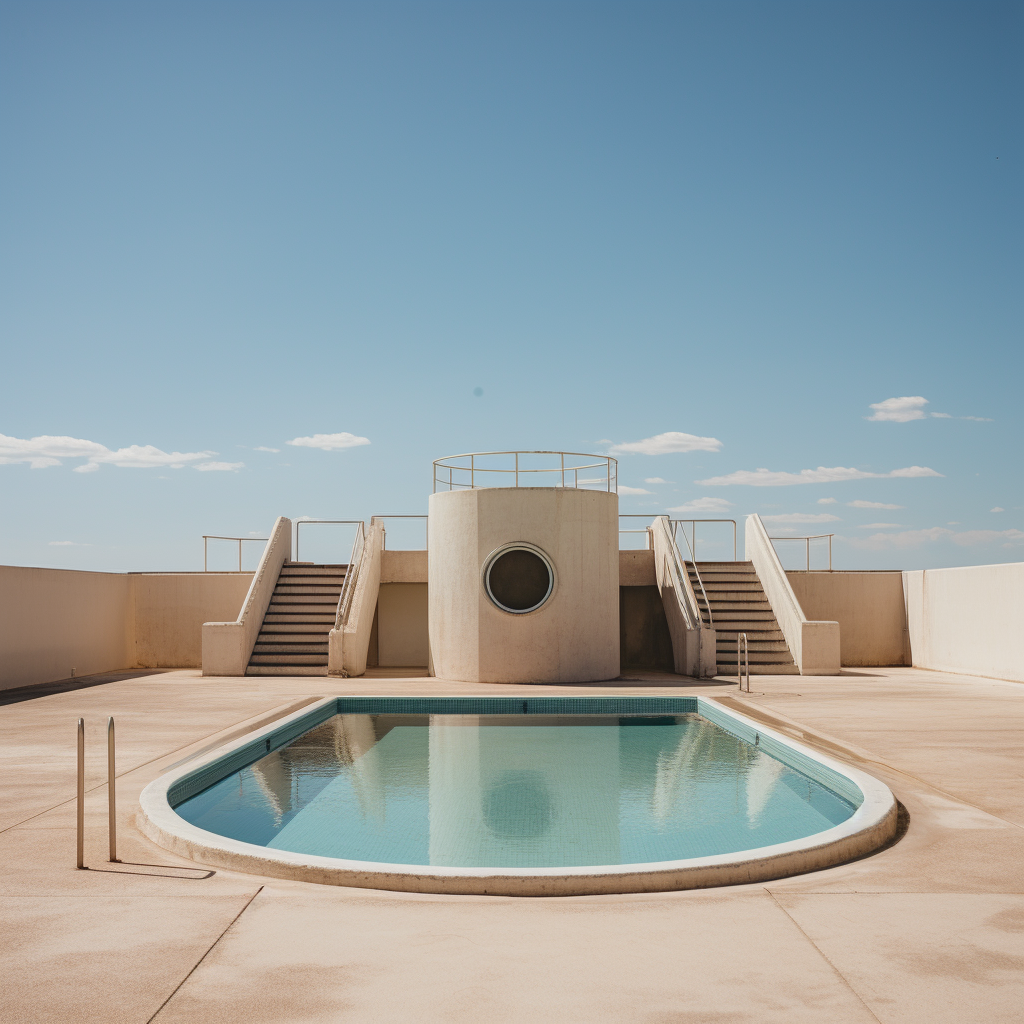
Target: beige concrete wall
636,569
170,609
574,636
402,624
868,607
968,620
403,567
349,647
56,620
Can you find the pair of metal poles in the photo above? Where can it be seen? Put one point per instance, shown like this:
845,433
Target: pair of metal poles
111,793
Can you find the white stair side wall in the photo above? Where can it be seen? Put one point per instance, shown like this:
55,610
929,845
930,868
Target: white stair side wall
227,646
814,645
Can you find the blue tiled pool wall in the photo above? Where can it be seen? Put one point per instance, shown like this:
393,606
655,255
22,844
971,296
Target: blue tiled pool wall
195,782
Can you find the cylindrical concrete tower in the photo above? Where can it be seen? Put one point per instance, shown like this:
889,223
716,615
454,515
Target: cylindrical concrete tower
524,584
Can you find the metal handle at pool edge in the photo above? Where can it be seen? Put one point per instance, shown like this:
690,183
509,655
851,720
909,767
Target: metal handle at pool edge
111,794
744,664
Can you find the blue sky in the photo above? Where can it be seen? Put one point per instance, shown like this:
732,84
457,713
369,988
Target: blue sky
446,227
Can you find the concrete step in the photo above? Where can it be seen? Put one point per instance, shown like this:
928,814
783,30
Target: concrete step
337,582
756,657
305,592
291,569
297,629
286,670
289,603
734,605
729,669
305,619
752,635
724,566
763,646
729,581
288,659
290,648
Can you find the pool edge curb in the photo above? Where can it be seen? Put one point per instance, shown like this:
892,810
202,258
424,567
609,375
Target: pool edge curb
871,826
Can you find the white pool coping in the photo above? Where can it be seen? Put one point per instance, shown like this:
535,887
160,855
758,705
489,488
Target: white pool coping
872,825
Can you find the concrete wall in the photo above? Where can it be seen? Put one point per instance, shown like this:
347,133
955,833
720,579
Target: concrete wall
402,624
968,620
56,620
170,609
644,638
574,635
868,606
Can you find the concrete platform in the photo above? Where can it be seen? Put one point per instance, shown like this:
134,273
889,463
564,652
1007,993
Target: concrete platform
929,929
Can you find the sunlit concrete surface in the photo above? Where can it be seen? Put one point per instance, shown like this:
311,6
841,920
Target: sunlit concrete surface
930,929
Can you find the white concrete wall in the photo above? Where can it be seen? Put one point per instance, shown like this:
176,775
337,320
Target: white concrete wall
869,608
574,636
968,620
814,644
56,620
349,647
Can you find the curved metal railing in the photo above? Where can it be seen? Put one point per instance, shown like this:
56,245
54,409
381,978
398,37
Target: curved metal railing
479,469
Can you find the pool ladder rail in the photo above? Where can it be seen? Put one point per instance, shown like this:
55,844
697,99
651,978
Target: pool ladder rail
111,795
742,662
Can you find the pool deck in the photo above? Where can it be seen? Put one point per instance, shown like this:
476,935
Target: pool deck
930,929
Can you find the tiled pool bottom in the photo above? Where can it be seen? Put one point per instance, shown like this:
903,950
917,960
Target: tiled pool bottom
551,795
516,791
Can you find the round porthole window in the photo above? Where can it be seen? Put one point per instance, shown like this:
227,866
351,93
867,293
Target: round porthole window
518,578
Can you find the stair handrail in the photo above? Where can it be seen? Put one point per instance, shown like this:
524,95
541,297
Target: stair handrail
685,596
693,561
349,585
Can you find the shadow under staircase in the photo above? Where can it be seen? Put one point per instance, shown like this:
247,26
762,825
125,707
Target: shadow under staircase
740,605
302,611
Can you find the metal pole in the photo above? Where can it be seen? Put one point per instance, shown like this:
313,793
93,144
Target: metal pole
830,552
81,793
111,793
239,554
807,542
734,540
205,543
517,469
472,472
562,454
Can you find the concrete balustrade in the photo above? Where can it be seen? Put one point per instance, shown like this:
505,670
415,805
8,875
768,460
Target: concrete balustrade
348,646
227,646
813,644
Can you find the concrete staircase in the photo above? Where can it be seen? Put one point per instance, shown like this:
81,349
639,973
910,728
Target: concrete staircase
293,637
739,605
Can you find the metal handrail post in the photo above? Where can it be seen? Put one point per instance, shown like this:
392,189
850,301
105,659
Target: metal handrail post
517,469
734,540
830,552
112,793
206,542
81,794
562,456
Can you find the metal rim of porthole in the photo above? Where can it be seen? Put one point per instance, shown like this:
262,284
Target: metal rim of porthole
497,553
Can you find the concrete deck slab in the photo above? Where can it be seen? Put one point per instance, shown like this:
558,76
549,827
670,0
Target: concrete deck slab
929,928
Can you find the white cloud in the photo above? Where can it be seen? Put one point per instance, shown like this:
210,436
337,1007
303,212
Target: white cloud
997,509
978,419
623,489
879,526
219,467
704,505
899,410
915,538
48,450
873,504
827,501
801,517
940,415
329,442
67,544
262,448
653,480
821,475
664,444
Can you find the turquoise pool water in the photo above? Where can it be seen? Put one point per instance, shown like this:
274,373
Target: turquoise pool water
516,791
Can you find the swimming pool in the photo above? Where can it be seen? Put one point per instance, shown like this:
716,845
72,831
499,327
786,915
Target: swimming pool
543,795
